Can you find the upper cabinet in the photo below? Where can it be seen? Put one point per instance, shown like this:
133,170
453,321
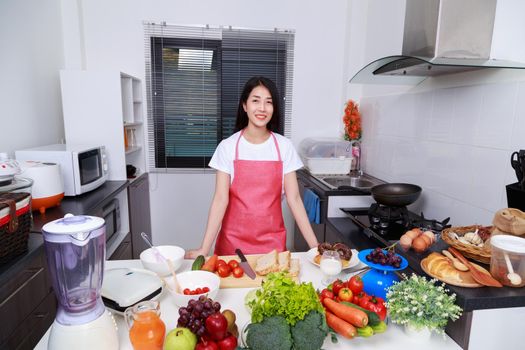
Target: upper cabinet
105,108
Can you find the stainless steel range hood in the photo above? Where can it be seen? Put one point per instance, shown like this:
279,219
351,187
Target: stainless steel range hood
440,37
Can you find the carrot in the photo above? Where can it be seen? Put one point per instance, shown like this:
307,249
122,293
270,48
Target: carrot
209,265
340,326
351,315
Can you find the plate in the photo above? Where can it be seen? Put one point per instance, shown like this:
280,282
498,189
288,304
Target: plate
354,261
362,256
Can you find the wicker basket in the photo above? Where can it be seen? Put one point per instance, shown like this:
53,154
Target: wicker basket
469,251
15,227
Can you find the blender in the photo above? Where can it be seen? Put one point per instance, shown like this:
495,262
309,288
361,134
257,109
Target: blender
76,248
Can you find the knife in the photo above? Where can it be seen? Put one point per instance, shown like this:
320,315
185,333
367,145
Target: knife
245,264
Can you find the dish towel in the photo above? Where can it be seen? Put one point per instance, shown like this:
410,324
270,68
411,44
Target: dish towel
312,205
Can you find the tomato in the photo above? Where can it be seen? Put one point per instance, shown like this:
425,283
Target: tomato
336,286
223,270
219,263
325,293
355,283
198,291
375,304
205,289
233,264
186,291
357,297
238,272
228,343
345,294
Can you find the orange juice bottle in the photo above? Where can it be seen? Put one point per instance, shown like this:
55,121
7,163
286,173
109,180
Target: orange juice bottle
146,329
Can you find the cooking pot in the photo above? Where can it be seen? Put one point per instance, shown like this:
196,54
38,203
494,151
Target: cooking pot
395,194
48,189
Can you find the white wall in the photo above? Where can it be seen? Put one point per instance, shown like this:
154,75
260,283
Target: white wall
452,135
112,38
32,54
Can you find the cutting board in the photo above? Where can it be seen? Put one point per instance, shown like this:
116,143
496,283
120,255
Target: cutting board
244,281
465,277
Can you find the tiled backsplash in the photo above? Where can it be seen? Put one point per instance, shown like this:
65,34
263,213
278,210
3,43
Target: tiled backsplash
455,143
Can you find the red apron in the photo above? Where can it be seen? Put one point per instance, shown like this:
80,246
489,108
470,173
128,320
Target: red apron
253,220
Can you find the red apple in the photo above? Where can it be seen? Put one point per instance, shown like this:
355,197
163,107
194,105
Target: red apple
228,343
217,326
207,345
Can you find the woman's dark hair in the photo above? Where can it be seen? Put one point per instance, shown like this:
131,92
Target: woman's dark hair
252,83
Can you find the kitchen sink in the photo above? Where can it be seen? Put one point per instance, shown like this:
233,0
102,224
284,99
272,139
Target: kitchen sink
362,182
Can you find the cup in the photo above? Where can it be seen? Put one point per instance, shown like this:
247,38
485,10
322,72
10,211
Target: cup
331,266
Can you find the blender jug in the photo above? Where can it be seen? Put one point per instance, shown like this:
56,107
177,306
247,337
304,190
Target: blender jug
75,248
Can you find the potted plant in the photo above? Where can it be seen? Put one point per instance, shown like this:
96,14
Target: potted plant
421,305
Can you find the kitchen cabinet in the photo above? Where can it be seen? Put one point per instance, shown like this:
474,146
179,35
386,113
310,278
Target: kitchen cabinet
105,108
27,300
124,251
139,213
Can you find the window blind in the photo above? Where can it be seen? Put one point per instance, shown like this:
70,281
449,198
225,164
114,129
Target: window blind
194,77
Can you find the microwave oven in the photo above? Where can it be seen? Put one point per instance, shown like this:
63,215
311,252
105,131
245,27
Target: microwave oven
83,168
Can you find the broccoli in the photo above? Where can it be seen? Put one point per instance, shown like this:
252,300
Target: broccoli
273,333
310,332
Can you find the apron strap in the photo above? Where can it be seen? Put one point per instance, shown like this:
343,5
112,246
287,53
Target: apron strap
274,140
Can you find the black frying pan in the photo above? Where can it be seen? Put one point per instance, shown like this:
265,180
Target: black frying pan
396,194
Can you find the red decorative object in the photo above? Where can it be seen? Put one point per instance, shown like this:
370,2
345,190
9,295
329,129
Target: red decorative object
352,121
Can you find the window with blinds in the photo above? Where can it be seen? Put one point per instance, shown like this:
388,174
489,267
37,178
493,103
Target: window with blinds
194,78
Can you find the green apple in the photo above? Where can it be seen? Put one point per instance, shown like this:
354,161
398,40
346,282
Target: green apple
180,339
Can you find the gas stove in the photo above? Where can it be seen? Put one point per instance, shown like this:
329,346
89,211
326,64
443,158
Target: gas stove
387,224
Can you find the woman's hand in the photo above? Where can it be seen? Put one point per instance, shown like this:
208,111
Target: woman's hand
192,254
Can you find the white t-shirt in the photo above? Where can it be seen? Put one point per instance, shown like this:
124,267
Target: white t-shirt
225,153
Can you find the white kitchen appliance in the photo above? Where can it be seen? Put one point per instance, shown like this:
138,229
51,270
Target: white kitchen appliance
76,250
83,167
326,155
48,189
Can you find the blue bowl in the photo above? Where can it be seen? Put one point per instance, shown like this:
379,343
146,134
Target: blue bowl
362,256
377,282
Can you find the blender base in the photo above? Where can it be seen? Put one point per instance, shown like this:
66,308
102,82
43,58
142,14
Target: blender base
100,334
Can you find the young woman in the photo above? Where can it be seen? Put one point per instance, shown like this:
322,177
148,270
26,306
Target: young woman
254,166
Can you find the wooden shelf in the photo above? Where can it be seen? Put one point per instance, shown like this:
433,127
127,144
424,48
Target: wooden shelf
131,124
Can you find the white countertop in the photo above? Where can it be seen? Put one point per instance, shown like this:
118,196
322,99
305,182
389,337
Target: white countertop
393,338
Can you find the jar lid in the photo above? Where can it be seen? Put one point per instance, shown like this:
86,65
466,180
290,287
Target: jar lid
509,243
16,184
71,224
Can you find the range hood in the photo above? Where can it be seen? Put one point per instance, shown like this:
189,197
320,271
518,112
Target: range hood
440,37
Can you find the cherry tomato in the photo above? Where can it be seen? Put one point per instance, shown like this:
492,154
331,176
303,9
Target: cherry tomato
336,286
186,291
198,291
355,283
325,293
345,294
219,263
238,272
224,270
205,290
233,264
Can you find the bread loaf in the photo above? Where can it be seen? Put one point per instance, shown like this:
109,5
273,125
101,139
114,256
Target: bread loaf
440,267
510,220
267,263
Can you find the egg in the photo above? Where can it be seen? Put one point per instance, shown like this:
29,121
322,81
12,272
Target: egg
405,241
419,244
430,235
411,234
428,240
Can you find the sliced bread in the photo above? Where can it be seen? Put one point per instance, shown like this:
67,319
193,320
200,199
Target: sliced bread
284,260
267,263
295,267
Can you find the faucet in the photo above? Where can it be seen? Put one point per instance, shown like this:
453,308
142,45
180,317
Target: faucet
357,153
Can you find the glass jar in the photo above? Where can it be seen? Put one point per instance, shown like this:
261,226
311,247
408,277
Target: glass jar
146,329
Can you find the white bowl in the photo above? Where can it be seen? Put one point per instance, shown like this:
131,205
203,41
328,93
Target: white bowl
157,265
193,280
